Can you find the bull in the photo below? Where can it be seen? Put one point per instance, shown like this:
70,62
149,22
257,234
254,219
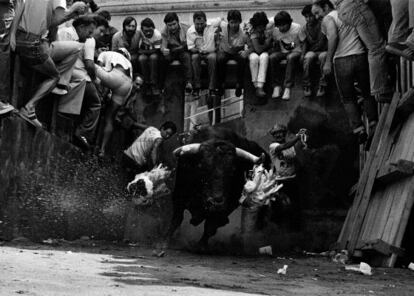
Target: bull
210,176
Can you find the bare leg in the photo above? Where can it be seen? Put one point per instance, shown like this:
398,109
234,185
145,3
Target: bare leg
109,126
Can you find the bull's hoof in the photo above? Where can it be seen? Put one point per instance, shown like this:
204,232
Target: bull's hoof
200,248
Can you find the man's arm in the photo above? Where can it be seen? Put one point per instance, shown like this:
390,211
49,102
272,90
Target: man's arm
191,42
60,15
288,144
155,152
332,36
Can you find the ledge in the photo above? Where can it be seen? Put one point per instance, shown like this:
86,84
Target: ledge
131,6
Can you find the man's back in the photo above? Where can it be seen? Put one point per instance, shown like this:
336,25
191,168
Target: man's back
140,150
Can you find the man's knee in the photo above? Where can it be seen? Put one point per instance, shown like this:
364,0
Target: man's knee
143,58
195,57
309,56
322,57
292,56
212,57
254,57
276,57
154,57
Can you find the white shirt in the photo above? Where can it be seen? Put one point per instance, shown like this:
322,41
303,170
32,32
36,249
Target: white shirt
110,59
140,150
87,51
151,43
37,15
288,38
206,41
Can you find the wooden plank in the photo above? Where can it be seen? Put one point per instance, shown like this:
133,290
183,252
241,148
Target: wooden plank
368,228
394,199
396,171
364,195
381,247
345,231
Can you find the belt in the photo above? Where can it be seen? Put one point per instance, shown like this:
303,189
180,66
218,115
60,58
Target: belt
31,36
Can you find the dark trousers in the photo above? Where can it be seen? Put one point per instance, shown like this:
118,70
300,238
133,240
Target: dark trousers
211,59
292,59
5,69
91,108
185,59
149,65
352,69
222,59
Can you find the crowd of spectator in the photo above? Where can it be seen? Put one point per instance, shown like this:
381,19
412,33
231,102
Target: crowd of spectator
85,60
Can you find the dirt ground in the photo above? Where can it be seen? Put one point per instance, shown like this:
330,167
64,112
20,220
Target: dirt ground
94,268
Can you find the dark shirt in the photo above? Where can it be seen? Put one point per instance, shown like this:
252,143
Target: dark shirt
314,38
106,39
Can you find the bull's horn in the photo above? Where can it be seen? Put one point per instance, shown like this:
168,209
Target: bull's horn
190,148
246,155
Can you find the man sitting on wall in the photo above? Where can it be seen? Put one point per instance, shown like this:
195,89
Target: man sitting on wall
314,46
174,46
128,38
232,46
149,55
287,47
201,42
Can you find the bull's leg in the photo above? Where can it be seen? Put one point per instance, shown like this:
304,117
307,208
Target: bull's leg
211,225
177,219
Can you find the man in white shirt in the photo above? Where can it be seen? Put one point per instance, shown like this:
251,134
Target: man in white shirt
287,47
201,42
149,55
83,96
32,37
144,154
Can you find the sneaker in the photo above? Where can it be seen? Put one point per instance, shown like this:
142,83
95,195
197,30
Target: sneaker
188,87
321,91
260,93
30,116
307,92
238,91
81,141
286,94
5,108
59,91
277,90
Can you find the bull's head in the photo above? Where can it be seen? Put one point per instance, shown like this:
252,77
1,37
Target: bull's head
218,170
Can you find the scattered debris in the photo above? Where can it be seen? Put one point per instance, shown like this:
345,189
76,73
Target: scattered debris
282,270
341,257
21,239
411,266
156,253
50,241
321,254
84,238
267,250
363,268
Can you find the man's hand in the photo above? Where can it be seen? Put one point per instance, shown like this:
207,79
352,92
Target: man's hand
165,51
244,54
327,68
78,8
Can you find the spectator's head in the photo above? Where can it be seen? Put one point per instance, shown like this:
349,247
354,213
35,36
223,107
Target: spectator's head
168,129
200,21
259,21
129,26
279,132
234,19
321,8
124,52
147,27
283,21
84,26
105,14
101,26
172,22
307,13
